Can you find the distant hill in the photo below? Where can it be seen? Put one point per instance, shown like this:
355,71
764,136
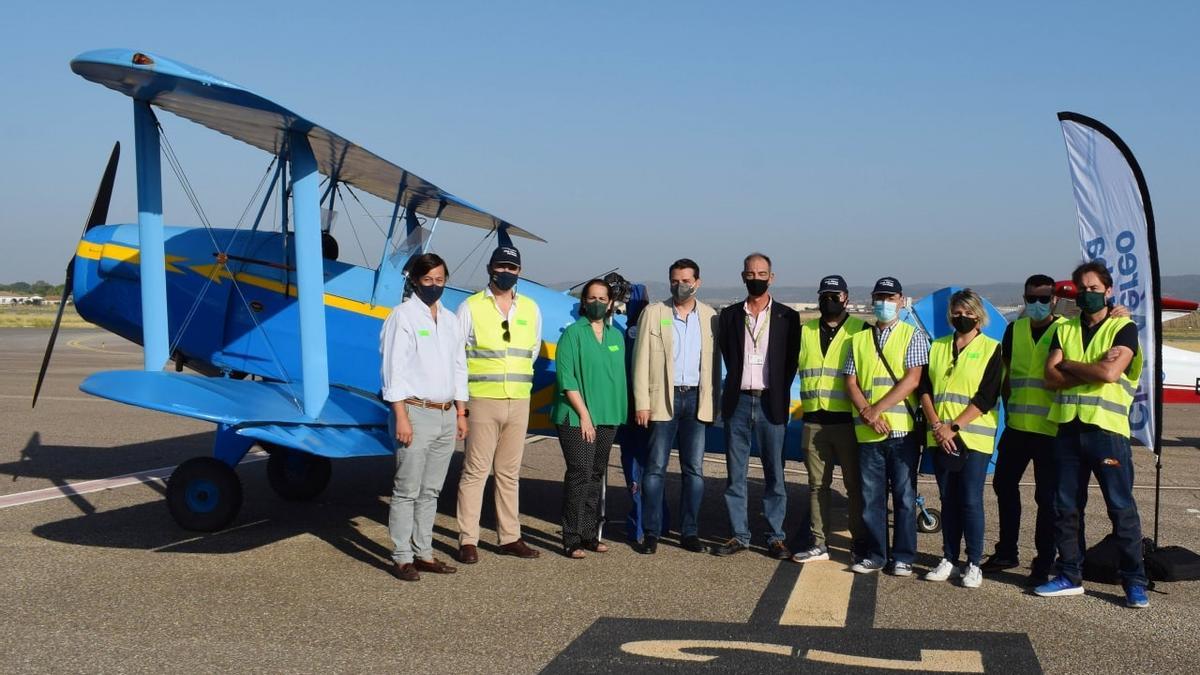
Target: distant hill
39,287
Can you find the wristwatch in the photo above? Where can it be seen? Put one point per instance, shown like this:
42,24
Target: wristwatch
954,428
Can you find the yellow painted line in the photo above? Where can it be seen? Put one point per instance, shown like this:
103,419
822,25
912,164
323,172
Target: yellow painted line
673,649
821,596
932,660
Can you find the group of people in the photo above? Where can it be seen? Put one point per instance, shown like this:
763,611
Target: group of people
873,397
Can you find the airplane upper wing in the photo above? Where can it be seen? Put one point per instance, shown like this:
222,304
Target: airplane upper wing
240,113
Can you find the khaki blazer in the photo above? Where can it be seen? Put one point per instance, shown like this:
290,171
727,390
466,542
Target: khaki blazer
654,362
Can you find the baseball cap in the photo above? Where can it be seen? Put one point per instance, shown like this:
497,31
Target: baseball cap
505,254
834,283
887,285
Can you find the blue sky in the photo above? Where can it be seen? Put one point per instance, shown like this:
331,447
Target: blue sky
912,139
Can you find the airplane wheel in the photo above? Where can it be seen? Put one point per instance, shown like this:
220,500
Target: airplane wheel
297,476
929,521
204,494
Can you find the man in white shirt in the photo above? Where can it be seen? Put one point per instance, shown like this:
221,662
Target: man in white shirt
425,383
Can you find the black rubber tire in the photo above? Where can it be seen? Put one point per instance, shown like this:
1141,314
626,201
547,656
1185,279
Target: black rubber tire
929,521
297,476
204,494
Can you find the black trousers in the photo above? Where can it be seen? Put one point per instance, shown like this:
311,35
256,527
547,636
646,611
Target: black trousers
586,466
1017,449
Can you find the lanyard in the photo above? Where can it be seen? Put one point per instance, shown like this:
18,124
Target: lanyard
762,327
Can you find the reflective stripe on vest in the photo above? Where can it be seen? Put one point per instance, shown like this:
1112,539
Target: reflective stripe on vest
822,385
495,368
875,382
1104,404
1028,405
955,383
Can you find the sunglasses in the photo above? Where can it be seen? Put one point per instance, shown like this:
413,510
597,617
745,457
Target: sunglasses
507,335
1044,299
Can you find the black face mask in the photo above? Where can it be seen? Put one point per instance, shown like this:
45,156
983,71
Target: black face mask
756,287
831,305
428,294
504,280
963,324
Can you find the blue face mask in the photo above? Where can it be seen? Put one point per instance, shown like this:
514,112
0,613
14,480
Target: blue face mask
885,311
1037,311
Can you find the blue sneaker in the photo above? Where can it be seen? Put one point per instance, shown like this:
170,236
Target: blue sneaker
1135,597
1059,585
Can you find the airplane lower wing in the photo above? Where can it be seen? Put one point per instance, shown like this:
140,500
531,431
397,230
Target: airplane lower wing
352,424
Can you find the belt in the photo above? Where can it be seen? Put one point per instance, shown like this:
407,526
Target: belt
684,388
422,403
756,393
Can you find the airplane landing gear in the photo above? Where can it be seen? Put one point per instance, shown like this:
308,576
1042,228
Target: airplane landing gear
297,476
204,494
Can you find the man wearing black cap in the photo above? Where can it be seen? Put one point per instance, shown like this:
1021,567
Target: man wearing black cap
759,341
503,334
882,373
828,434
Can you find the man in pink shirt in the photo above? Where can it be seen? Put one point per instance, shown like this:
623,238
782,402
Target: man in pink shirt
760,345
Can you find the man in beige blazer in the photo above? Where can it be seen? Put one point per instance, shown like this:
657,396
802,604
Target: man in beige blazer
675,385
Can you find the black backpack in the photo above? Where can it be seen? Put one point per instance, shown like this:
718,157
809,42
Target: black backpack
1102,564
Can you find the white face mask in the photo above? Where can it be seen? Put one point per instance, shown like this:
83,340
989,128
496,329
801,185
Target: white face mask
885,310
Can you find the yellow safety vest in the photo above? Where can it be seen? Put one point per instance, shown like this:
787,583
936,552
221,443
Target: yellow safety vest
1029,400
875,382
822,385
497,368
955,383
1103,404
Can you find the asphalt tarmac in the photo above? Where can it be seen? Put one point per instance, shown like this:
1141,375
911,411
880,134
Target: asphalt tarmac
99,578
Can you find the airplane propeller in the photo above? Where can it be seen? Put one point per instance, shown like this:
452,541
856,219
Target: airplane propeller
98,216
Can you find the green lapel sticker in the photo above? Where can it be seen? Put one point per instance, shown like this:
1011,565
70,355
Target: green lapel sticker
423,332
522,322
614,348
667,322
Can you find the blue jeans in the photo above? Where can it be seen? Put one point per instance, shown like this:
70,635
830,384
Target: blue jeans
890,462
749,425
962,503
635,452
1079,452
691,464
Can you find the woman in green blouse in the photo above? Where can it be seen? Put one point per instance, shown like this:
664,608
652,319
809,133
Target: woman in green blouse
590,404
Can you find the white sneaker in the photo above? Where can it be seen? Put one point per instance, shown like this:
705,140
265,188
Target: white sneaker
813,554
973,577
900,569
865,567
942,572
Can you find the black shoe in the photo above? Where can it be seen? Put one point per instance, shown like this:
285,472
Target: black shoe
998,563
729,548
692,543
649,545
779,551
1036,579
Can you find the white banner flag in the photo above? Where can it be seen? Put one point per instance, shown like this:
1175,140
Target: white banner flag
1116,228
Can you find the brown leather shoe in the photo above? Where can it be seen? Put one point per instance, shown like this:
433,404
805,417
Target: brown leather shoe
520,549
779,551
435,566
405,572
468,554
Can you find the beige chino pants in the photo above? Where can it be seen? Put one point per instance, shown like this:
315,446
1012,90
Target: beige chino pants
495,444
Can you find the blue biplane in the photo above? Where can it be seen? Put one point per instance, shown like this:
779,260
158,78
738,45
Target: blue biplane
283,336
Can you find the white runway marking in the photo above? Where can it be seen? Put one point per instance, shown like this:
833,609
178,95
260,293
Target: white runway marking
84,487
55,398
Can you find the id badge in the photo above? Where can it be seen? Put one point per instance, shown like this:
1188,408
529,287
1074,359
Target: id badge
757,359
